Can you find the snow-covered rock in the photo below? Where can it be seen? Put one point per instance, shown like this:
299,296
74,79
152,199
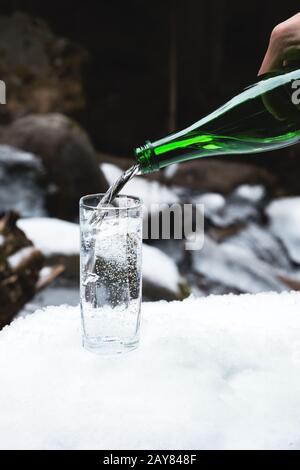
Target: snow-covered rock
20,182
213,202
253,193
284,214
261,244
236,208
52,236
160,272
235,266
215,373
57,237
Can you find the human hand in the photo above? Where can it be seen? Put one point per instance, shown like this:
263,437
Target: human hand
284,45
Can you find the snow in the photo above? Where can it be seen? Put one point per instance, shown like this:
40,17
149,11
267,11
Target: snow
225,212
151,192
216,373
20,182
170,171
213,202
284,214
15,259
250,192
51,236
45,272
11,156
233,265
159,268
54,236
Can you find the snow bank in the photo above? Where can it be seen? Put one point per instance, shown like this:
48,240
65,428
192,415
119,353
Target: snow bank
284,214
215,373
54,236
151,192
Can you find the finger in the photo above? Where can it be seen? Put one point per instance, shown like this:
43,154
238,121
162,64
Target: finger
271,62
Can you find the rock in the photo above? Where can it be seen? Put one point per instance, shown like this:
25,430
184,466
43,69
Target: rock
22,182
21,273
209,175
58,240
262,244
42,72
227,215
235,267
66,154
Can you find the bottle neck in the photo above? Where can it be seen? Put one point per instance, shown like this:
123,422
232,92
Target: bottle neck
146,158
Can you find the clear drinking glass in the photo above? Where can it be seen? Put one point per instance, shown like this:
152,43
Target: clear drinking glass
110,273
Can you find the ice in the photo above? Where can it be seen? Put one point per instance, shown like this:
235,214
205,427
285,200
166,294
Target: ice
284,214
111,273
151,192
90,278
216,373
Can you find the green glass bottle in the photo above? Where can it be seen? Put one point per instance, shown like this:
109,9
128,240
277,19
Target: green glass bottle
264,116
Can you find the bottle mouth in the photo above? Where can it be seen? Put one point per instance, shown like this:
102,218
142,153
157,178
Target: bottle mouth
146,158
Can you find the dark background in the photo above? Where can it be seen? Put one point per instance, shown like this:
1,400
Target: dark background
153,66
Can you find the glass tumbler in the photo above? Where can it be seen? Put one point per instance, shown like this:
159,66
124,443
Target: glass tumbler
110,273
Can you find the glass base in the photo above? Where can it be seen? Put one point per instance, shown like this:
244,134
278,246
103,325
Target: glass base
109,346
